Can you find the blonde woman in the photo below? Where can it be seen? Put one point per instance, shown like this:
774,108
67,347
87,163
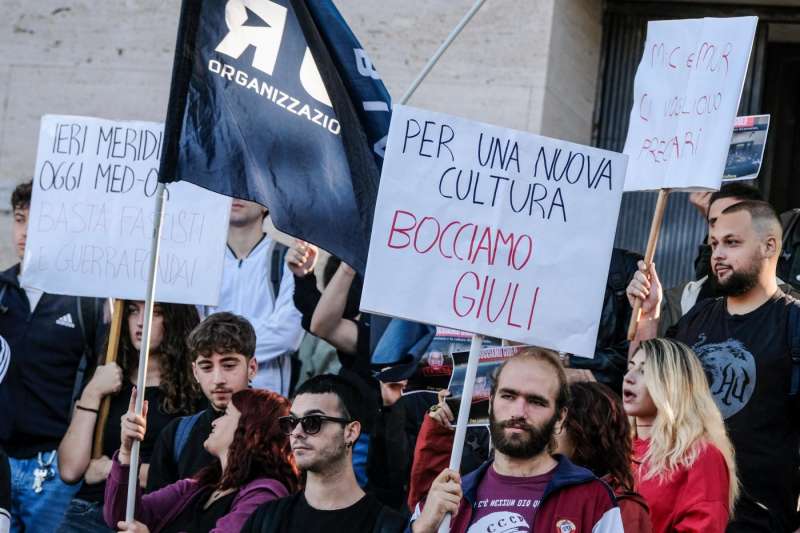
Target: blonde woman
683,460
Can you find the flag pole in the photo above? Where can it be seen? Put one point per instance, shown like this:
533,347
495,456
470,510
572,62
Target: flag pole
477,340
181,74
444,46
463,413
144,350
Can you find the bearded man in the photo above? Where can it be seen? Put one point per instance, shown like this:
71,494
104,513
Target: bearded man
746,340
524,487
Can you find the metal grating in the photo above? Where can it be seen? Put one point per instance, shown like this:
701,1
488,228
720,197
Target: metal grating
624,33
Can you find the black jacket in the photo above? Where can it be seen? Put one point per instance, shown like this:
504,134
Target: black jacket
164,470
46,350
392,443
611,352
789,261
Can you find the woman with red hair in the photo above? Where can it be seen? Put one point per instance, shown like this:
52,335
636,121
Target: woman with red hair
255,465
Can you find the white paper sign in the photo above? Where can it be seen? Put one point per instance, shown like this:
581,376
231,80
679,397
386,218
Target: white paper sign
686,94
493,231
92,216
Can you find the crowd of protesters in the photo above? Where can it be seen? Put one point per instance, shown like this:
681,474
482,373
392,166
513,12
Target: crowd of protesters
266,414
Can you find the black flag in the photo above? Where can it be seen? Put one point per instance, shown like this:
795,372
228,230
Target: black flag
259,111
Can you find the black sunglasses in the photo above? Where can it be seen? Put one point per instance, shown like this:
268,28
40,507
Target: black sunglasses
311,424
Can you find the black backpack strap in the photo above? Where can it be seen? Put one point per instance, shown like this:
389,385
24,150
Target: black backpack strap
277,256
88,315
185,425
794,341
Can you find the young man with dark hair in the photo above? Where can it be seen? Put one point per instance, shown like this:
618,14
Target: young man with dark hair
524,487
256,285
49,343
735,191
324,424
680,299
222,348
748,341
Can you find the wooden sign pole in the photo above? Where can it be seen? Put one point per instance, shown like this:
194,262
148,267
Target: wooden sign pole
111,356
463,414
652,242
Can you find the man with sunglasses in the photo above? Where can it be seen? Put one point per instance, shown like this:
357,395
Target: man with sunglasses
323,426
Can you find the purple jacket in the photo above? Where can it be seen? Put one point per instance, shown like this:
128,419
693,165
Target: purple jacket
157,509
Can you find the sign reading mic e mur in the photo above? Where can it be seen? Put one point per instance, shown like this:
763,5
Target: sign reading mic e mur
686,94
493,231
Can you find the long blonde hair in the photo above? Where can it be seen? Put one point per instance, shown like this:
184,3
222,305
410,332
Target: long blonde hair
687,418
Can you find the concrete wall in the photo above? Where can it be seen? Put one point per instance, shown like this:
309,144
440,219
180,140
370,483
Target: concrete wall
525,64
572,69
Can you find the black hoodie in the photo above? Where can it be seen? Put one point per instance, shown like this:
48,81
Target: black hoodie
46,348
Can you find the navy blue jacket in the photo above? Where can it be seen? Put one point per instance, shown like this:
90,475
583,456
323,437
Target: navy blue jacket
46,348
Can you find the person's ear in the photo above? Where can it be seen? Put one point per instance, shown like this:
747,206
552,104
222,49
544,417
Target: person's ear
771,246
559,427
194,370
252,368
352,432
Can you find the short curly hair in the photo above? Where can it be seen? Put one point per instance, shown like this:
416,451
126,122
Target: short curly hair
21,197
222,333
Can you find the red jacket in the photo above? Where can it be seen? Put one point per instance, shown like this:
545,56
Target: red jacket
691,500
575,500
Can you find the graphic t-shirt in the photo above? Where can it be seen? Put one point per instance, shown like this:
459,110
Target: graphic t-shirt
747,360
506,504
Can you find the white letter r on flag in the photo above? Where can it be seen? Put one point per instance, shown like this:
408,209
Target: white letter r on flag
254,22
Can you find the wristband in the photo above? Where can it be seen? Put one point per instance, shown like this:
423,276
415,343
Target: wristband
88,409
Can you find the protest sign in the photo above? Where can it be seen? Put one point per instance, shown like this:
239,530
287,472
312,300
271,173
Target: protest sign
493,231
435,368
686,94
746,151
92,216
489,360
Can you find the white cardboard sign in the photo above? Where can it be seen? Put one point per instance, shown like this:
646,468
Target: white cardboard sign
686,94
92,216
493,231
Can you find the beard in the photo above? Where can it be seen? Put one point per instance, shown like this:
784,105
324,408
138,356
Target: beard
738,282
323,458
531,442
